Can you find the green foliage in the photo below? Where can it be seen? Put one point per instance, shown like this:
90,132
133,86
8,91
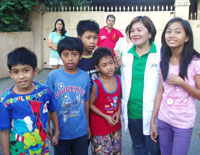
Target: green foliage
58,3
14,14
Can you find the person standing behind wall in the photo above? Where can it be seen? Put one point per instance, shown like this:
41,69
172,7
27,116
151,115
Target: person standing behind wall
108,35
55,36
140,78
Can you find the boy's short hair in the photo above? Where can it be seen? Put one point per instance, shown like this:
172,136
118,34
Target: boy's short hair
100,53
87,25
21,56
70,43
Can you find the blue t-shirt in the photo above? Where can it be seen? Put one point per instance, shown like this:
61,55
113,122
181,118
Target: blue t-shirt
26,115
71,92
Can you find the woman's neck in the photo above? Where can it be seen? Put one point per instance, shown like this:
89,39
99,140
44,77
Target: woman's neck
141,50
57,31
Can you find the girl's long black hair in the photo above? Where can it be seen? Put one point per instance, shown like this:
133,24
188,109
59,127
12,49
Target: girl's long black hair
63,31
187,54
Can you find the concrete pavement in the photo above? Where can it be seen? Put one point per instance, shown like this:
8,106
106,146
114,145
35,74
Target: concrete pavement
6,83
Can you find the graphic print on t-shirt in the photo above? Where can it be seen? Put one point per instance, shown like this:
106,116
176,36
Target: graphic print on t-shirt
112,106
72,104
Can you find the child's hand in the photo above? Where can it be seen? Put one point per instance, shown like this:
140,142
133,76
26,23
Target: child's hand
153,132
118,60
116,116
111,121
174,79
54,140
49,133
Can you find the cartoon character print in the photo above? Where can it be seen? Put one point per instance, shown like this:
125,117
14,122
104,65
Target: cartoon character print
112,106
30,142
35,105
71,108
33,142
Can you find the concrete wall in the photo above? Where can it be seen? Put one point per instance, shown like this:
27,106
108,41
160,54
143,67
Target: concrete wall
8,42
195,24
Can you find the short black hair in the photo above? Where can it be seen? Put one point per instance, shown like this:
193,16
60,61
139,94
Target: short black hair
110,16
70,43
87,25
100,53
21,56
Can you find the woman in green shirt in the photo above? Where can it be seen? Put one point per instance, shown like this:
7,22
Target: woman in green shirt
140,78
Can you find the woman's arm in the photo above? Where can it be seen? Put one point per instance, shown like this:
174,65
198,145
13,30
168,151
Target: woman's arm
5,142
157,103
51,45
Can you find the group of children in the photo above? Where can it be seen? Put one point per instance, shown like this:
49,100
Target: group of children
83,98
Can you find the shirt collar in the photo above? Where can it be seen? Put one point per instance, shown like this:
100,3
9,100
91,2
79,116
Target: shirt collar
152,49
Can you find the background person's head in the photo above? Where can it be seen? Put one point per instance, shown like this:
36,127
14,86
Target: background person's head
87,31
142,30
60,26
110,21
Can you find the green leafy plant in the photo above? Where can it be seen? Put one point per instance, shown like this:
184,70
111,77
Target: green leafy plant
14,14
58,3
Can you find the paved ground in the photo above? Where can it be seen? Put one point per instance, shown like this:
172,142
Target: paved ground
6,83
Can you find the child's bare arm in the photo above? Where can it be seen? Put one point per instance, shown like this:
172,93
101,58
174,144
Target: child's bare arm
93,108
87,115
5,142
54,118
158,98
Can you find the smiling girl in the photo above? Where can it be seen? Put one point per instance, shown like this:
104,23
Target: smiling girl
178,87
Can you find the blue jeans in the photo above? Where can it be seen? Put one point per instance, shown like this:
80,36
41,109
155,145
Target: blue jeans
142,145
77,146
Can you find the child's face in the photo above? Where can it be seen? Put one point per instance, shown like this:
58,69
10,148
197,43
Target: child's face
23,76
106,66
89,40
70,60
175,35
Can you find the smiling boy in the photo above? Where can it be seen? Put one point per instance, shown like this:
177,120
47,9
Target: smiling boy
25,108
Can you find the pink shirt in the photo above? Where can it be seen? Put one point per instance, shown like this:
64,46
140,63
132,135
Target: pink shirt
177,106
109,40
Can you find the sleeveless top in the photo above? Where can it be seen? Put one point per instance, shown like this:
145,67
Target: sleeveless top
108,103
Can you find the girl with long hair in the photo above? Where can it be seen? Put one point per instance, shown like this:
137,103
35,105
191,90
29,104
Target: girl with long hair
178,88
